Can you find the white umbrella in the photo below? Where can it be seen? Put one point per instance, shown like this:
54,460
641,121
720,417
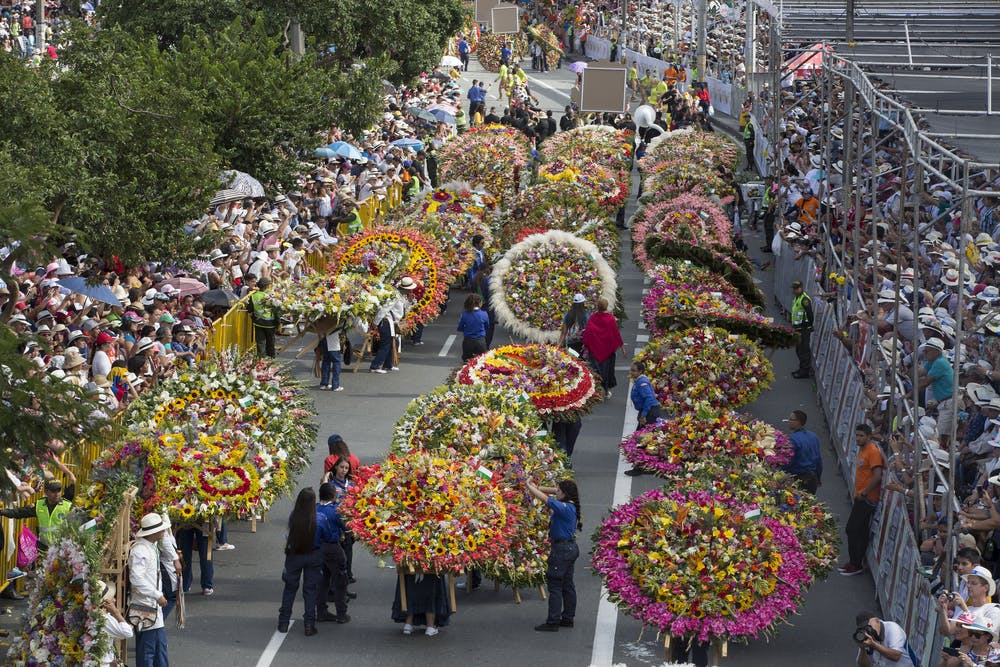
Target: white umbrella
450,61
241,182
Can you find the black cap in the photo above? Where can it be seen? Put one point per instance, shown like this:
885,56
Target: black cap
796,283
335,438
53,485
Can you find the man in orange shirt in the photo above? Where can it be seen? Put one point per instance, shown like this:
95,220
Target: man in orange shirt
808,206
670,74
867,491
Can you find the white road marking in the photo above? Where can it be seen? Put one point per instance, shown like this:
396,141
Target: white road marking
603,653
449,341
560,94
642,325
642,338
272,647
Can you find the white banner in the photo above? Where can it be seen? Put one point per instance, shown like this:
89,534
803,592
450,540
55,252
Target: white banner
598,48
721,95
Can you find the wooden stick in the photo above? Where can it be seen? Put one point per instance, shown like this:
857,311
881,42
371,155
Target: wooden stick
541,592
451,593
402,593
496,586
517,596
290,341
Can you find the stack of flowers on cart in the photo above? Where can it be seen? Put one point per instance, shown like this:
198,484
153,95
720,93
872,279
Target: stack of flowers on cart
488,156
700,565
543,35
777,496
559,385
64,624
674,443
488,49
689,146
673,177
500,428
225,439
705,366
412,253
731,268
686,219
332,299
586,146
673,306
470,31
534,283
431,512
684,271
604,185
453,233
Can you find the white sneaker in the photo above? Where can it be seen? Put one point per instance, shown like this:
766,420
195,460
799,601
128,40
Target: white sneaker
430,632
338,389
225,547
407,629
380,371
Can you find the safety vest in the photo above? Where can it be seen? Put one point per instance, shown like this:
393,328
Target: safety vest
414,186
748,131
48,521
355,224
799,309
461,121
263,314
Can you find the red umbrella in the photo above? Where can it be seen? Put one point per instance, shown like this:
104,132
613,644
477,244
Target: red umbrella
185,286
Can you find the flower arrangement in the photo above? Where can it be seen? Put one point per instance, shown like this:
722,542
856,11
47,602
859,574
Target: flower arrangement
691,147
777,496
586,146
676,305
548,41
705,366
698,565
488,156
470,30
431,512
686,219
672,444
64,624
605,186
673,177
421,261
560,386
457,197
332,299
683,271
534,283
490,44
734,268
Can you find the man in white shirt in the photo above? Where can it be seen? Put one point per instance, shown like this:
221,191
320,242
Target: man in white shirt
884,643
147,591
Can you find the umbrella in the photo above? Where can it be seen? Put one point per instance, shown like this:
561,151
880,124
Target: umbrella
388,88
443,116
442,76
96,292
409,142
577,66
450,61
422,114
185,286
325,152
218,297
345,150
242,182
449,108
226,196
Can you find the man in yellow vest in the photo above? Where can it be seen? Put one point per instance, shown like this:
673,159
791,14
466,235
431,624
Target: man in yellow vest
265,319
50,511
802,322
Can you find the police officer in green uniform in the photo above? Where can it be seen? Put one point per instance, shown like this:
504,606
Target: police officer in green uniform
265,319
50,511
802,322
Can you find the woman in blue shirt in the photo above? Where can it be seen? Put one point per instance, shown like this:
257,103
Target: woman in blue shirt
644,399
565,521
473,325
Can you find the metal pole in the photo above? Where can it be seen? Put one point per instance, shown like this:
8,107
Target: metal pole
989,84
677,28
909,51
40,25
850,22
700,53
918,444
296,38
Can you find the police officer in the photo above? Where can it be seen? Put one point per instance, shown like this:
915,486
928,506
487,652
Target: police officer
802,322
50,511
265,319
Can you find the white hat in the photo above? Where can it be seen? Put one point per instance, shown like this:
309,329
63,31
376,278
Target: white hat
144,344
950,277
935,343
407,283
578,298
983,573
150,524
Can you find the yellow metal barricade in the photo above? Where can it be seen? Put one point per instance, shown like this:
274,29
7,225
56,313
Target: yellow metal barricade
234,329
316,261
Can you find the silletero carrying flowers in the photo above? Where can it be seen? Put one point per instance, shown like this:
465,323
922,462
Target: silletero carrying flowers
431,512
560,386
700,565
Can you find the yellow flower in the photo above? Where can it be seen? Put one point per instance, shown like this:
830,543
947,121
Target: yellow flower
187,511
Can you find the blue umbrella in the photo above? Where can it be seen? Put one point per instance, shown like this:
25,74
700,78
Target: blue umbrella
409,142
324,151
96,292
443,116
345,150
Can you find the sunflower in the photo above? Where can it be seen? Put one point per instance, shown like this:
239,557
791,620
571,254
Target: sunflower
470,543
233,396
219,393
195,393
370,521
439,550
178,404
385,537
187,511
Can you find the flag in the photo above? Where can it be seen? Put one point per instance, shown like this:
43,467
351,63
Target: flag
485,473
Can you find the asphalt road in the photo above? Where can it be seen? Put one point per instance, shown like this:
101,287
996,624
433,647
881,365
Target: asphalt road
237,625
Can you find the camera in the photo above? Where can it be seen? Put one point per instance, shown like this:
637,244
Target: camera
950,597
863,633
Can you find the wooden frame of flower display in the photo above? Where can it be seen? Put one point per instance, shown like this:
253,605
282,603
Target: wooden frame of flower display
534,283
328,302
560,386
500,428
671,444
699,565
412,254
705,366
488,156
431,512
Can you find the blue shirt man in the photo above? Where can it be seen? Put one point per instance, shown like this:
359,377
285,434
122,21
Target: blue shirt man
562,526
807,461
939,374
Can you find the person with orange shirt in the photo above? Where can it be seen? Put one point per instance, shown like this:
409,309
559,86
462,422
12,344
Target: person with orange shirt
808,206
670,75
867,491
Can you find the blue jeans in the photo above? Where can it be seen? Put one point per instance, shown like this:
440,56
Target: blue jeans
330,368
168,591
559,577
151,648
383,356
222,534
186,538
308,567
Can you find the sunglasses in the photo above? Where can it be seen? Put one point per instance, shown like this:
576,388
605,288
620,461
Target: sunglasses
979,635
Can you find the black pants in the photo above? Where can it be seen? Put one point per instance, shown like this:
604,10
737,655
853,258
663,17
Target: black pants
566,434
803,351
749,145
472,347
807,481
265,340
680,647
464,57
858,530
335,576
